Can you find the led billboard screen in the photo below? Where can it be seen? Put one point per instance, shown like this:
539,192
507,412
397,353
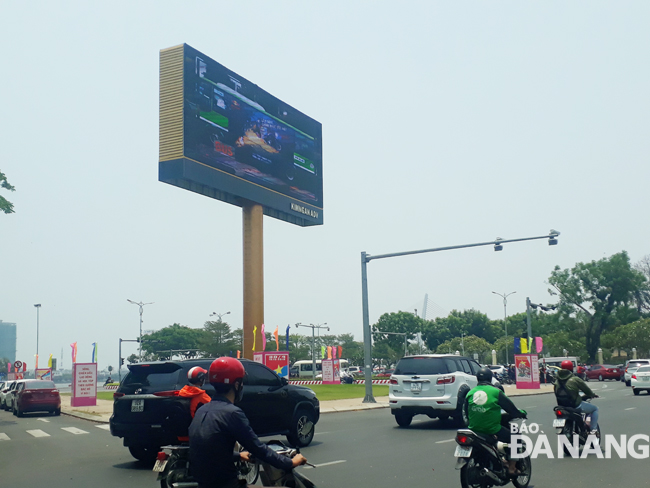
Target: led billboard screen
225,137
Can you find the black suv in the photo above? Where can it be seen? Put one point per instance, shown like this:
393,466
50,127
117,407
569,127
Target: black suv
148,413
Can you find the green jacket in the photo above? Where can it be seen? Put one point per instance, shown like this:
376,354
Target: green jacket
567,388
484,404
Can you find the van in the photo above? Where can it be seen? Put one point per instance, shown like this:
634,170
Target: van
304,367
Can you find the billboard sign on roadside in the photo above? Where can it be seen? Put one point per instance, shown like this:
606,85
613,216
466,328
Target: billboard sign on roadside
84,385
225,137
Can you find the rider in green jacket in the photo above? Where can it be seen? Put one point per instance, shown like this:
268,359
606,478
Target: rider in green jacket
484,405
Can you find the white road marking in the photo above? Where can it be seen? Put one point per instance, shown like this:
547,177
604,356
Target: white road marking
447,440
4,437
104,426
38,433
318,433
74,430
532,406
43,420
327,464
631,408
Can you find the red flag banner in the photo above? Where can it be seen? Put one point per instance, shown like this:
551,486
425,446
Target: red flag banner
340,352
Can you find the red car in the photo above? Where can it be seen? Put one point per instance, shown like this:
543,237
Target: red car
603,372
386,374
37,396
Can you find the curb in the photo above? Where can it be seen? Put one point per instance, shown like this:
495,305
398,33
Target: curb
85,416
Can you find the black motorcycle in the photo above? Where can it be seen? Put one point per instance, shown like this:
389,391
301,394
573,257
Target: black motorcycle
483,460
173,463
571,421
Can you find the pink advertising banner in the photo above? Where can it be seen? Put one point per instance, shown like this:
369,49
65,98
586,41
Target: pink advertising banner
527,373
84,385
331,372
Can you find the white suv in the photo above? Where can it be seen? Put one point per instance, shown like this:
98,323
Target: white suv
631,366
433,385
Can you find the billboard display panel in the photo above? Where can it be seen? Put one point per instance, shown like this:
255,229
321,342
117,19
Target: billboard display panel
225,137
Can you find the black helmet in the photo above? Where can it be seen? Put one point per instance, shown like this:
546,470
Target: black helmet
484,375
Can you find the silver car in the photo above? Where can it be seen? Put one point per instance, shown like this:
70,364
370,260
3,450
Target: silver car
3,393
632,366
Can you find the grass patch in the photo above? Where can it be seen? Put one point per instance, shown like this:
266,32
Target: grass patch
101,395
342,392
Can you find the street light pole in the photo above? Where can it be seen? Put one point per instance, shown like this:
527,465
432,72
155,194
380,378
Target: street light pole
505,316
38,309
141,305
366,258
219,315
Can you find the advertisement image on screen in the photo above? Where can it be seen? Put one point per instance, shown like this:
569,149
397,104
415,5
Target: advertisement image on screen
248,136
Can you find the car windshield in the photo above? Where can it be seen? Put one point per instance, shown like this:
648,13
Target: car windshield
635,364
150,378
39,385
643,369
421,366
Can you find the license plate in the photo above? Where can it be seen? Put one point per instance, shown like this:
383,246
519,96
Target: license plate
645,378
559,422
159,467
462,451
416,387
137,405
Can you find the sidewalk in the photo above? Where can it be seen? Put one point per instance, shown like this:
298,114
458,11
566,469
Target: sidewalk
104,408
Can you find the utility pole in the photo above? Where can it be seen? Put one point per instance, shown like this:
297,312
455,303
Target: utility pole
141,305
505,316
313,339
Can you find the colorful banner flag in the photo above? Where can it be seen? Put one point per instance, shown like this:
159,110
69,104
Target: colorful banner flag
238,354
524,345
333,352
94,353
263,339
340,352
36,356
254,336
329,352
74,352
539,344
275,334
8,367
49,362
322,352
24,368
517,345
288,327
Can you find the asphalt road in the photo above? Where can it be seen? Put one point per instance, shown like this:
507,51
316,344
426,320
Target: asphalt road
361,449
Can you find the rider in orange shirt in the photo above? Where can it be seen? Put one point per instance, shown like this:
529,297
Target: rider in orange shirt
196,376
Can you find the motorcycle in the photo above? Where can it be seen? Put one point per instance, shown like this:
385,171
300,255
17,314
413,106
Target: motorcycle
174,469
173,463
483,461
571,421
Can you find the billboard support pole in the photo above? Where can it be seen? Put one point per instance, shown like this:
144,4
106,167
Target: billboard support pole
253,256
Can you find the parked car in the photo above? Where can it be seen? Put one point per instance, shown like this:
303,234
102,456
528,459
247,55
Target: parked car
386,374
640,380
498,369
36,396
3,391
431,384
11,395
148,413
631,366
603,372
355,371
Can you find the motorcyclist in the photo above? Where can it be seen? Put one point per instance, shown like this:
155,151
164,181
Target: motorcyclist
219,424
484,404
567,390
198,396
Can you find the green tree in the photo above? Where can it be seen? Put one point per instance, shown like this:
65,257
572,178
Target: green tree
400,322
629,336
642,296
470,344
180,339
217,339
299,347
5,205
467,322
601,290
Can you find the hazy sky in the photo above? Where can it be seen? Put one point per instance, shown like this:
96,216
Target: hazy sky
443,123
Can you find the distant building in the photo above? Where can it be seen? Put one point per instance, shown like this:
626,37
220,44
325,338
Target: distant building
7,341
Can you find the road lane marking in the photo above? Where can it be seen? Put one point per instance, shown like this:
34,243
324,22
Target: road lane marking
38,433
104,426
319,433
631,408
447,440
532,406
74,430
43,420
327,464
4,437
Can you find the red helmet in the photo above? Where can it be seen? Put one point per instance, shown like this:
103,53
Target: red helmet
568,365
226,371
196,375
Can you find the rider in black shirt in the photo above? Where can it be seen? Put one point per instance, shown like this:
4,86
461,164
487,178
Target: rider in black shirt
219,424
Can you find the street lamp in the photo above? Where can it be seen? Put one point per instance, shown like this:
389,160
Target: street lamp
38,309
218,315
313,357
505,316
141,305
366,258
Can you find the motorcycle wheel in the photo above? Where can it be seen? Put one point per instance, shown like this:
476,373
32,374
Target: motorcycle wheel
469,475
567,432
526,467
249,471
